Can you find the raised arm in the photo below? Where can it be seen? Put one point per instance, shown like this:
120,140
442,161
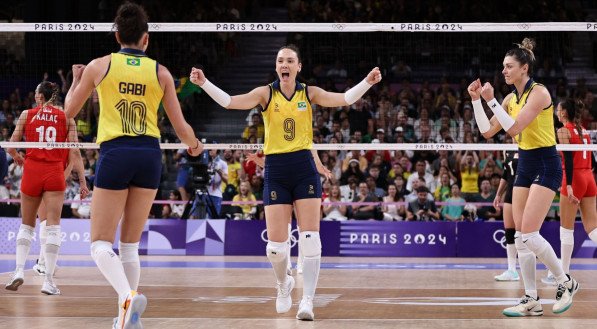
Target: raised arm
329,99
82,86
538,100
183,130
487,127
257,96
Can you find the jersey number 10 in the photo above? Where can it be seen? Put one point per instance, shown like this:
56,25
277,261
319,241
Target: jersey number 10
133,117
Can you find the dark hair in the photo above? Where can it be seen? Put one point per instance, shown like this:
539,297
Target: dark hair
574,109
422,189
131,22
524,53
293,48
50,91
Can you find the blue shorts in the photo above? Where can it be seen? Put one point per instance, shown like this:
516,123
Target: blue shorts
289,177
129,161
542,166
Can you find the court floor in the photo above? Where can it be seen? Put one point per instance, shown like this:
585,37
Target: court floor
238,292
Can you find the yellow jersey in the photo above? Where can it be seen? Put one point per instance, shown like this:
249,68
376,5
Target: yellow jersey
540,132
129,97
288,121
470,179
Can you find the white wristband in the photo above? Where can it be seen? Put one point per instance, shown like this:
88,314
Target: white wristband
502,116
218,95
353,94
481,117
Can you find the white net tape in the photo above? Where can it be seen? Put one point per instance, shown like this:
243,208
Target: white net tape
310,27
357,146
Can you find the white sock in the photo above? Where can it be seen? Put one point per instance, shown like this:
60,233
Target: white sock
24,238
52,247
511,252
129,256
111,267
528,266
543,250
288,242
311,243
566,247
277,253
42,243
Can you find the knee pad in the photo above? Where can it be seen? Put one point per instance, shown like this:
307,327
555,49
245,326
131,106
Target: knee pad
566,236
98,247
276,251
25,233
53,235
129,252
535,242
310,244
510,232
520,246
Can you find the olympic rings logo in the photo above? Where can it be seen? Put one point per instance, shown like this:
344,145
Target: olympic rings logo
524,26
338,27
293,239
499,237
155,26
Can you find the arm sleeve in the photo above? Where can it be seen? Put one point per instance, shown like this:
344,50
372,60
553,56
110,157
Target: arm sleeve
569,166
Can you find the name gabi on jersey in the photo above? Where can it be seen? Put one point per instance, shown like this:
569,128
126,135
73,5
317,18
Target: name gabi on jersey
46,117
137,89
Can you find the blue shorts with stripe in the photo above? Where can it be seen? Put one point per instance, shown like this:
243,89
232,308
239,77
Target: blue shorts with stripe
289,177
129,161
541,166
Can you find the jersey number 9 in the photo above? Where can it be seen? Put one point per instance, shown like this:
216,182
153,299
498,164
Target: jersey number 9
289,129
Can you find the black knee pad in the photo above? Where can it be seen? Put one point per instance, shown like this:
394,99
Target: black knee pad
510,235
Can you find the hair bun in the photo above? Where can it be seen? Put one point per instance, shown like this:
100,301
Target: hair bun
528,44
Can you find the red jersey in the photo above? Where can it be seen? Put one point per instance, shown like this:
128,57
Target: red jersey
582,159
47,124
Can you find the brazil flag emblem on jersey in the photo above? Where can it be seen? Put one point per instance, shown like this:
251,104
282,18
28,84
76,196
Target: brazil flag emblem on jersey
133,61
302,106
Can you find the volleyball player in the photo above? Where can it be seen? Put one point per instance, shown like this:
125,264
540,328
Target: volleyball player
504,193
539,172
43,179
291,165
130,86
578,184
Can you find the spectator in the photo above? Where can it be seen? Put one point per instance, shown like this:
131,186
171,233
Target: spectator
420,171
176,209
454,207
413,195
361,212
487,212
392,211
443,190
244,211
373,189
334,211
352,170
422,209
469,174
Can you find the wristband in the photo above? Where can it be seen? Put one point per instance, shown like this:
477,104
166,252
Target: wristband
503,118
480,116
218,95
353,94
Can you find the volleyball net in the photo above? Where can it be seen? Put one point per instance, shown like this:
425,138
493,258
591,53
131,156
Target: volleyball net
420,109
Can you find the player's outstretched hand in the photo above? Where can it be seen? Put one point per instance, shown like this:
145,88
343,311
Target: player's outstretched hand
474,89
374,76
78,71
197,76
487,92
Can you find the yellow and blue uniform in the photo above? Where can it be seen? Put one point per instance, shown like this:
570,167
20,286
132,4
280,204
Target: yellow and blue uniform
128,134
539,162
290,172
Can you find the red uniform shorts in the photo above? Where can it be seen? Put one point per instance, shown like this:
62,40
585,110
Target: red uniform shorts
41,176
583,184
